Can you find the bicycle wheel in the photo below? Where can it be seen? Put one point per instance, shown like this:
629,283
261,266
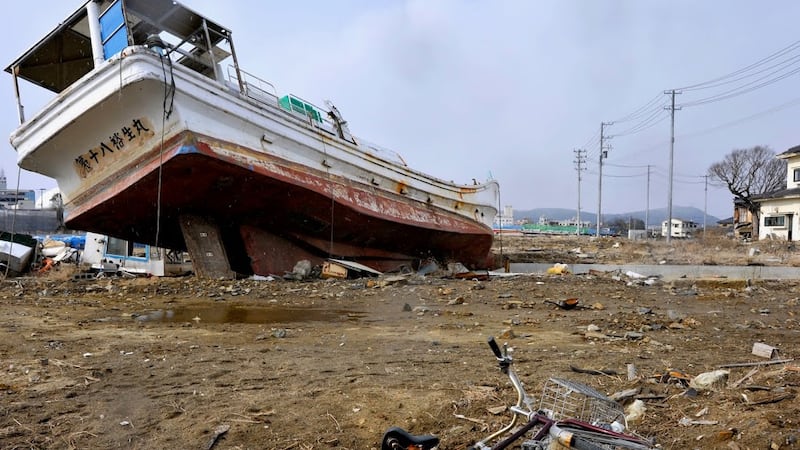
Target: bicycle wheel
583,444
609,441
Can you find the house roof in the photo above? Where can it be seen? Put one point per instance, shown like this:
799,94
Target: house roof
676,219
782,193
794,151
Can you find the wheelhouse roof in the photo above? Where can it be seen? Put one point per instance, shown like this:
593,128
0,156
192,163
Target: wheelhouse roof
65,54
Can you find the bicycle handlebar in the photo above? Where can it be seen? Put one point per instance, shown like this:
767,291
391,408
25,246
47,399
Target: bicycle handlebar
495,347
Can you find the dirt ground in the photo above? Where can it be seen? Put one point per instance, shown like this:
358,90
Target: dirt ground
330,364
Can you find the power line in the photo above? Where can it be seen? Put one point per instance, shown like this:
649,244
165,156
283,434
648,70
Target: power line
760,62
735,92
640,111
790,104
782,106
595,136
630,166
788,62
646,123
619,176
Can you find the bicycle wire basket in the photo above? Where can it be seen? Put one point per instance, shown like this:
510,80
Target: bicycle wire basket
565,399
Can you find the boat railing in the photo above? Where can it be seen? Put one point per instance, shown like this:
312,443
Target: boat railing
264,92
254,87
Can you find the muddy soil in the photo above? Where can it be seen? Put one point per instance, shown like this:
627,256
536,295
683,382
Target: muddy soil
168,363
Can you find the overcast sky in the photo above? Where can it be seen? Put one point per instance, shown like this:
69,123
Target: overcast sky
508,89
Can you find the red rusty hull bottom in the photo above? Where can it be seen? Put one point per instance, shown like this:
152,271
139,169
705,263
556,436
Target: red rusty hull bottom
268,221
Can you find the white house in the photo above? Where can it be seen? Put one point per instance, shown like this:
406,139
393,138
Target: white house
680,228
506,219
779,211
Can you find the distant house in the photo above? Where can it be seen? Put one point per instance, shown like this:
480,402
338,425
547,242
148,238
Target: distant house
742,220
725,222
504,223
679,229
780,210
505,219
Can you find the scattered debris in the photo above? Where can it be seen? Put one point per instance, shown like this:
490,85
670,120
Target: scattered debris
758,363
558,269
710,381
218,433
570,303
633,335
497,410
301,270
333,270
685,422
427,267
279,333
632,372
635,411
624,396
359,269
508,334
771,398
764,350
609,372
672,375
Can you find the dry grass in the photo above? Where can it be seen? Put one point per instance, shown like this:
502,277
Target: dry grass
713,248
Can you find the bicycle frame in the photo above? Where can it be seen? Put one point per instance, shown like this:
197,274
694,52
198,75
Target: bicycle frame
570,433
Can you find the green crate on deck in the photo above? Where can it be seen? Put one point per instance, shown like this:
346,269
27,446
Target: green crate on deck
294,104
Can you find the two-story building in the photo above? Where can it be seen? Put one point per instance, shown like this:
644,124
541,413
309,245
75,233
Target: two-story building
680,228
779,215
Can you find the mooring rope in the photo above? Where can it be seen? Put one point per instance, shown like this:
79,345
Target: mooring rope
169,96
330,184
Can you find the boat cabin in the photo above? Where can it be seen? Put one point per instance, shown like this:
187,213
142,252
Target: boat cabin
101,29
110,254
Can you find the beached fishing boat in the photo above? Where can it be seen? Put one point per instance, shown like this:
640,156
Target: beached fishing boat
157,135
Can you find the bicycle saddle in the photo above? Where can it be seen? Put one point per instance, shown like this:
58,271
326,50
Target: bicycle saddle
397,438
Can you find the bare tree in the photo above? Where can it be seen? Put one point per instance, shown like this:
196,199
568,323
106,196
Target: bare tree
750,171
747,172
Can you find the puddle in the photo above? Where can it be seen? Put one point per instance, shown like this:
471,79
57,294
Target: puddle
246,314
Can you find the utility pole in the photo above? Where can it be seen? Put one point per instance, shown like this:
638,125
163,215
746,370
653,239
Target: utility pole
647,205
705,206
580,166
671,161
603,155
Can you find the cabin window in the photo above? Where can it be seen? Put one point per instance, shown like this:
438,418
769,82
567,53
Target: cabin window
774,221
126,249
796,174
117,246
113,30
138,250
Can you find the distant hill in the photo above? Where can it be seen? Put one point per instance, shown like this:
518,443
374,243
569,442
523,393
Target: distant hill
656,215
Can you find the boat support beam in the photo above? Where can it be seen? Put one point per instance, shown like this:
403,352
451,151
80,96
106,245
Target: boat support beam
204,243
